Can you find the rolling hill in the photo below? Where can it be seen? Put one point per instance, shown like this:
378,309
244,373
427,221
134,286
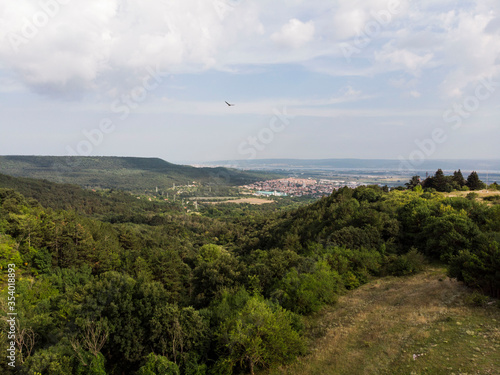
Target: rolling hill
126,173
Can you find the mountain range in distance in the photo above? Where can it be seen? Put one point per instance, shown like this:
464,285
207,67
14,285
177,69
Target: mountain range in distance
137,174
404,167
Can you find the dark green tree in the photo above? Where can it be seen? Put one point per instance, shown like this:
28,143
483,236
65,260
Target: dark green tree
414,181
158,365
473,182
259,335
479,267
307,292
176,331
439,181
458,179
216,269
443,236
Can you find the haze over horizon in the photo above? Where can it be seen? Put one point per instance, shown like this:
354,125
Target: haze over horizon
310,80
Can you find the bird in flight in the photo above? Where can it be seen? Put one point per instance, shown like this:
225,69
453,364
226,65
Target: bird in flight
229,104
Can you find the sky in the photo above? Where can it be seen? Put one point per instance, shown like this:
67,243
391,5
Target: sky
313,79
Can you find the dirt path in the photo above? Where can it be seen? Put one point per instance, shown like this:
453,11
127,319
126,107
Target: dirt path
424,324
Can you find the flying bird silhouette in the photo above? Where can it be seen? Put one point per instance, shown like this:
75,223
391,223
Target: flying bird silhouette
229,104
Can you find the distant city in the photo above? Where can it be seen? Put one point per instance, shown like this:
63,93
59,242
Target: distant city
297,187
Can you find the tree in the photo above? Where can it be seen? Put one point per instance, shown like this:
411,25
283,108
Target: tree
307,292
478,268
25,340
158,365
473,182
94,336
127,306
443,236
55,360
216,269
268,267
414,181
412,218
176,331
90,364
439,181
260,335
458,179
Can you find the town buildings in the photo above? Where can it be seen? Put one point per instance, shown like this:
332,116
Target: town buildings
297,187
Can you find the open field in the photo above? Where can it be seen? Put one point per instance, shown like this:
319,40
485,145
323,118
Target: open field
481,193
210,198
244,200
424,324
489,197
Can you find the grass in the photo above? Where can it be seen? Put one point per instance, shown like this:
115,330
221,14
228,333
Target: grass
423,324
481,193
487,196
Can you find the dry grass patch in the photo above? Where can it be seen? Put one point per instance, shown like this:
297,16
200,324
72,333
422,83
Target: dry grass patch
489,197
257,201
412,325
480,193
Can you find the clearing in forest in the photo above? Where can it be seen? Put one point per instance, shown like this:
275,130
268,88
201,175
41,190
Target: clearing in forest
422,324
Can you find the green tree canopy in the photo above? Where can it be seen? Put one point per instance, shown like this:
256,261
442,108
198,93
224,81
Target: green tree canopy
158,365
473,182
414,181
260,335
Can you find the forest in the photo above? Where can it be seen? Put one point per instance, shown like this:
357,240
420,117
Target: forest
124,173
106,283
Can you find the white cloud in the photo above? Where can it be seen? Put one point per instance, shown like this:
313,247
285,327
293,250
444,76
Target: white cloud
402,59
80,48
109,44
469,51
295,33
349,21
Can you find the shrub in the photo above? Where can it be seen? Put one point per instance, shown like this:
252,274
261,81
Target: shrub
492,198
476,299
259,335
472,196
306,293
350,280
406,264
158,365
478,269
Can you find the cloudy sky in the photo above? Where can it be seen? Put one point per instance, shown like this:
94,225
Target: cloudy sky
384,79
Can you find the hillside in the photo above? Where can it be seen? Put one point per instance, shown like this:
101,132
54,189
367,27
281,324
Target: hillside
126,173
236,291
84,202
380,327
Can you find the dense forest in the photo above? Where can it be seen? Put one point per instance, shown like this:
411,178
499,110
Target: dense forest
109,284
124,173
